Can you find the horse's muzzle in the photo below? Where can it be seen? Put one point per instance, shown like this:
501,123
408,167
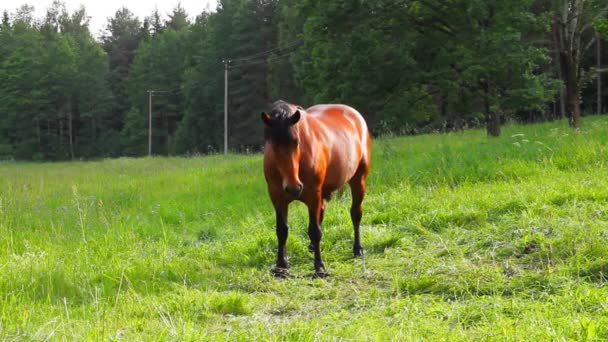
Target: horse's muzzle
294,190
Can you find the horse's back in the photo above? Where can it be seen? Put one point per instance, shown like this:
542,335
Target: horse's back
344,122
344,133
336,112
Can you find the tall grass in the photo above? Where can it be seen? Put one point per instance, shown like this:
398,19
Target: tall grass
466,238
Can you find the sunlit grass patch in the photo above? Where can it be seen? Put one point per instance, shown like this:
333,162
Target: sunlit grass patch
466,238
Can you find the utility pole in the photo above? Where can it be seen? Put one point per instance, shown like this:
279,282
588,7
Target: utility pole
226,62
150,122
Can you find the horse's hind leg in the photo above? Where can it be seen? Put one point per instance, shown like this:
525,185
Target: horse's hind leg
357,188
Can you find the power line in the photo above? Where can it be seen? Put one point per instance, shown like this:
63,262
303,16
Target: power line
264,61
268,52
171,92
254,59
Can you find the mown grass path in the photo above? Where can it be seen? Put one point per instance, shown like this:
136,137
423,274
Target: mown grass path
466,238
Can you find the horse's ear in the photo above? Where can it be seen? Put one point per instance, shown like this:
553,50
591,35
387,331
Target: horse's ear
266,118
295,117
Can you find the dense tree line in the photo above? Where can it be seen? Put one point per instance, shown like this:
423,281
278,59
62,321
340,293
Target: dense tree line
408,65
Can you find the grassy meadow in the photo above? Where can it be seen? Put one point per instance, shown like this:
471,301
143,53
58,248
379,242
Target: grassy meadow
466,237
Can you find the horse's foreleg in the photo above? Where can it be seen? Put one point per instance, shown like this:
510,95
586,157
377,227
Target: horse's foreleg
311,248
357,186
315,209
282,231
322,213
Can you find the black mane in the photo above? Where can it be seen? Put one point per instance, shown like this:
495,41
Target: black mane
280,110
281,131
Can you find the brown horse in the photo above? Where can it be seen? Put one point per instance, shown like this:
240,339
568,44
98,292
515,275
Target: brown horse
308,154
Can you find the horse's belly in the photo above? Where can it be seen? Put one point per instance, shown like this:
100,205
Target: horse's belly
335,181
341,170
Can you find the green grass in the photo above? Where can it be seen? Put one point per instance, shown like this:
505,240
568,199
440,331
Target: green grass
466,238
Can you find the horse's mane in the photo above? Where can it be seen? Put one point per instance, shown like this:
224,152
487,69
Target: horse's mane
282,110
281,129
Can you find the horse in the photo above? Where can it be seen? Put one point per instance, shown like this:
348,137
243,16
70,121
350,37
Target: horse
309,154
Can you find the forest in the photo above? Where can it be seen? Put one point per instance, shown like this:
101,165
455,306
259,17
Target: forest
409,66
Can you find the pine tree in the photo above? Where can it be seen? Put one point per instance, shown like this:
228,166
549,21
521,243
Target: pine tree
159,66
255,31
120,43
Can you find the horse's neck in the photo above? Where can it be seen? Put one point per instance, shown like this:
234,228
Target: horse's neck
308,130
304,127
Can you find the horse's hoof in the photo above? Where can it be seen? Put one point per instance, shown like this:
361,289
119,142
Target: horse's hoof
358,252
280,272
321,273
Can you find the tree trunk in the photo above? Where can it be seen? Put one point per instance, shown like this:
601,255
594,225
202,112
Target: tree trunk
492,118
572,94
558,47
70,129
38,132
571,26
61,135
93,130
443,108
492,123
167,143
599,73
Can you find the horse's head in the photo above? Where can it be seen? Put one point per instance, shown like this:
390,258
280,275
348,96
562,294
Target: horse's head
281,135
